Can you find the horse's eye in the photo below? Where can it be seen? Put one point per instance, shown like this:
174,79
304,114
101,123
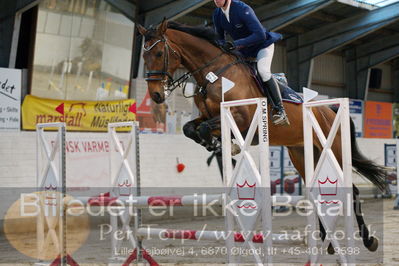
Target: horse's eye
158,54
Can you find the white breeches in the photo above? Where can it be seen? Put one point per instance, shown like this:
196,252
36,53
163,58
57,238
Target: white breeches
264,62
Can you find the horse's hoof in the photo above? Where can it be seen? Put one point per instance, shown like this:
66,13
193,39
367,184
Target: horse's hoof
374,244
235,149
330,249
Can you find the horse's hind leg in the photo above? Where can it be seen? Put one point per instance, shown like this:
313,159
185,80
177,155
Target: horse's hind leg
297,156
326,117
370,242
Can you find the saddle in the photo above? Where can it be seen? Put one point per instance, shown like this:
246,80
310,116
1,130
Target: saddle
288,94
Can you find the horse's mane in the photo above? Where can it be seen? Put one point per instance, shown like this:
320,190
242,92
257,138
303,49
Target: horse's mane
203,32
200,31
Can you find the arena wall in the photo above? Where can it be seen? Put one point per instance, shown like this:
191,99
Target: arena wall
18,164
158,160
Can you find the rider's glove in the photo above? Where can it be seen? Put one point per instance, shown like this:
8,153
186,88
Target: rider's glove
228,46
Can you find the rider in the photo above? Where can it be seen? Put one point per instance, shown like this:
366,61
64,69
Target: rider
253,41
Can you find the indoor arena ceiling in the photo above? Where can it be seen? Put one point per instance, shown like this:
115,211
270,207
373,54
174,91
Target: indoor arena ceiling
331,12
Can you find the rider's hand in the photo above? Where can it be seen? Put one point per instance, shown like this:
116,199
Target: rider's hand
228,46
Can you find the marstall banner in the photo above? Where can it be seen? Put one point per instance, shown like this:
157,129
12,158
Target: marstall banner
78,115
356,113
396,120
378,120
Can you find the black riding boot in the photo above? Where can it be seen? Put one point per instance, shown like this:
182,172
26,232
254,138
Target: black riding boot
279,117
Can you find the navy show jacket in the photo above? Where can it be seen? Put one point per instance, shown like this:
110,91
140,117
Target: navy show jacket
244,27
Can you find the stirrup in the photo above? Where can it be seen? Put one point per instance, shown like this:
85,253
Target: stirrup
280,118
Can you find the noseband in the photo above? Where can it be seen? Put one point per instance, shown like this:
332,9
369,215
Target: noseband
166,77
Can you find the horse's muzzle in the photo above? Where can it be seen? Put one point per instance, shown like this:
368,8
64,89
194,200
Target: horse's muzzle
157,97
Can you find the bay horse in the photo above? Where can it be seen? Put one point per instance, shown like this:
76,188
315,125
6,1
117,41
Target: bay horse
172,44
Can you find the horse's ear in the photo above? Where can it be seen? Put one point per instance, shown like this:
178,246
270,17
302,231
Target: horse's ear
141,29
162,27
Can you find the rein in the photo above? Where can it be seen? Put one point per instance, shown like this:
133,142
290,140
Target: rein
170,84
182,79
167,79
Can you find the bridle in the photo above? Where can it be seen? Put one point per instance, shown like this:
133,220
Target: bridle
166,78
169,84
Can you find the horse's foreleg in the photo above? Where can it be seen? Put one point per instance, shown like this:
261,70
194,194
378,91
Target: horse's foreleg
209,132
204,132
190,129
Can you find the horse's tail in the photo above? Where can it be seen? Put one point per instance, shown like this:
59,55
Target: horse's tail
363,166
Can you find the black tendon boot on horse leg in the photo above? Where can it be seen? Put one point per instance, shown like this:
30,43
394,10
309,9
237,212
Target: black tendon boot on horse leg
190,131
279,116
205,129
202,134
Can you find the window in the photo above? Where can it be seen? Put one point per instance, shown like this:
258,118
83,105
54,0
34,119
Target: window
83,51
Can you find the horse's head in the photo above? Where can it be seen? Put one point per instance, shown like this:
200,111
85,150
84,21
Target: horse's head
161,61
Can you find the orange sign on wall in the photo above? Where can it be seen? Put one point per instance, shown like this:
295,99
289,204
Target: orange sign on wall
378,120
